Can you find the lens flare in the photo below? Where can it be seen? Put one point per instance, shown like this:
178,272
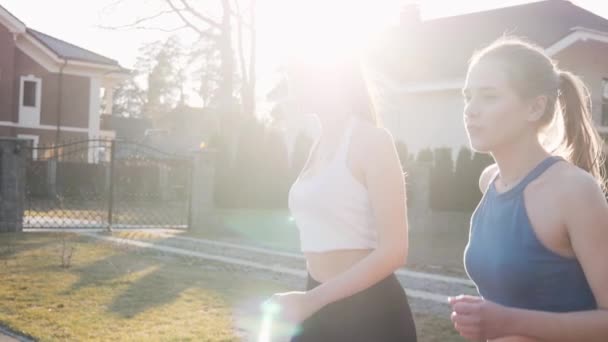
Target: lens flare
270,311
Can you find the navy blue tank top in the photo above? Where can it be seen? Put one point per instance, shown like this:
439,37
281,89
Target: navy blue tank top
508,263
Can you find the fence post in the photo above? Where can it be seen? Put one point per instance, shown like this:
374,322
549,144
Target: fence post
163,181
13,154
201,207
111,185
51,177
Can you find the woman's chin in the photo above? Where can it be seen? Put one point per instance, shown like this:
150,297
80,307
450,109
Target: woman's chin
479,146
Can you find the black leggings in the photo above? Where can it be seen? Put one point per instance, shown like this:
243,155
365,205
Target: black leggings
379,313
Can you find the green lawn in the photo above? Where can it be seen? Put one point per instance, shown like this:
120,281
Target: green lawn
112,293
125,294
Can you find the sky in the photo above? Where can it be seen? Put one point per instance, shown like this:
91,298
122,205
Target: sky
82,22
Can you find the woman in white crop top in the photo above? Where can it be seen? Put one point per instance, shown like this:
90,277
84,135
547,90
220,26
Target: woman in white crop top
349,206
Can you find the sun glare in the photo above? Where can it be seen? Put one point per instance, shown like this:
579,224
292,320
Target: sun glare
318,30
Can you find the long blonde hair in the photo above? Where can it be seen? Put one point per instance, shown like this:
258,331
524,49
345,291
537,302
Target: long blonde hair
349,72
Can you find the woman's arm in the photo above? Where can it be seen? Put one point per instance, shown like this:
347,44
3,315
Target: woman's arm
586,217
386,186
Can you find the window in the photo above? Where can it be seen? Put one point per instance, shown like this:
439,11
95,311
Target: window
29,100
103,107
29,93
605,102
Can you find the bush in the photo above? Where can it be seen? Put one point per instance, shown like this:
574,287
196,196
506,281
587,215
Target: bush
260,176
403,153
425,156
465,181
442,180
275,178
225,186
455,187
249,163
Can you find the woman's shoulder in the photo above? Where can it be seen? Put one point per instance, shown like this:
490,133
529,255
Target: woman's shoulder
579,198
369,136
570,182
371,144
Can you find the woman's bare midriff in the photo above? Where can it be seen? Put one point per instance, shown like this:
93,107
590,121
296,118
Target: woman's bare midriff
326,265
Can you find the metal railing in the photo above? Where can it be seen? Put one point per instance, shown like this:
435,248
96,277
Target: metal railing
106,183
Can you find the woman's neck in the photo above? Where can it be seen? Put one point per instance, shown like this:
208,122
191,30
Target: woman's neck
332,124
518,159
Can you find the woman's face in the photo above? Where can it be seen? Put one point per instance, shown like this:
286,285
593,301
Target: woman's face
315,89
495,115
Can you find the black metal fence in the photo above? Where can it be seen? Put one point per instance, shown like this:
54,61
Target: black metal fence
106,183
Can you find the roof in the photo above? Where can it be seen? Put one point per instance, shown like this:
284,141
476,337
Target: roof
12,16
57,46
439,49
66,50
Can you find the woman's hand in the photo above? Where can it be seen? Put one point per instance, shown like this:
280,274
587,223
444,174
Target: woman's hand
477,319
293,307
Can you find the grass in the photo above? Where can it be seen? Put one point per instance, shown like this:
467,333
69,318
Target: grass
115,294
126,294
435,329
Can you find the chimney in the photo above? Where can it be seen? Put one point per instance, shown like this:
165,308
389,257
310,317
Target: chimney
410,15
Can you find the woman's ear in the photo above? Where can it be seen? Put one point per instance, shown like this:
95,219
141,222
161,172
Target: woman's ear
538,106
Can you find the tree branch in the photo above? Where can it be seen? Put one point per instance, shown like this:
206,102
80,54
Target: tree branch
198,15
183,18
252,54
239,16
240,43
138,21
130,27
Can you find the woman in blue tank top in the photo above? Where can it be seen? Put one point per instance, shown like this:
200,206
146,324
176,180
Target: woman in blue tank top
538,242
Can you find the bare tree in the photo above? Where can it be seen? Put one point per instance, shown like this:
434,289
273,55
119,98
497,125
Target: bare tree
248,70
245,19
215,31
220,31
212,23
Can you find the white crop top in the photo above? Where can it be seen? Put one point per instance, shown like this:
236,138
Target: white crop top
331,208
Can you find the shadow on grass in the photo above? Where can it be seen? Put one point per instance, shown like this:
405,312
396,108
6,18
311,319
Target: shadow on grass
107,271
12,244
147,278
162,282
165,281
154,289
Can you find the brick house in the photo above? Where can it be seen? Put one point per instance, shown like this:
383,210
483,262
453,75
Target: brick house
51,90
